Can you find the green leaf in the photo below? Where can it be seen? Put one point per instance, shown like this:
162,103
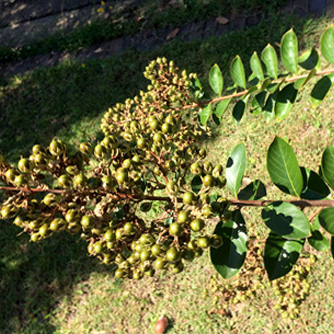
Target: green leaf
196,184
318,241
268,112
229,258
196,89
273,87
204,114
256,66
280,255
269,57
327,44
238,110
313,185
143,183
321,89
168,221
332,247
285,99
316,225
283,167
303,81
309,59
286,220
238,72
254,191
327,165
213,198
250,91
258,102
326,219
266,83
235,168
216,79
221,107
216,119
289,51
146,206
253,80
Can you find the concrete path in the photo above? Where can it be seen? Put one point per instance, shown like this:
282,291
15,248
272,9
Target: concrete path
24,20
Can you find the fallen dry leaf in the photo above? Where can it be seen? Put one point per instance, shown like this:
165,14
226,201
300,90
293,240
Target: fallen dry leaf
222,20
172,34
161,325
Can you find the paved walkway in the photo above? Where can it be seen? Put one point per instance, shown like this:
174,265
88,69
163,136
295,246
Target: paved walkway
23,20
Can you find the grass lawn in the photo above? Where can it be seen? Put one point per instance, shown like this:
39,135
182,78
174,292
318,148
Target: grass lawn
53,287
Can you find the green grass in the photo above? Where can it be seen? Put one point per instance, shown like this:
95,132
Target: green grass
53,287
153,15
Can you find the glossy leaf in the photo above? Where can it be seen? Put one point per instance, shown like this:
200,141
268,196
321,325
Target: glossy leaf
254,191
205,113
309,60
238,110
216,79
143,183
229,258
250,91
258,101
289,51
327,44
318,241
313,185
321,89
235,168
169,221
196,89
238,72
327,165
285,99
216,119
326,219
221,107
286,220
280,255
196,184
266,83
303,81
316,225
268,112
146,206
283,167
256,66
269,58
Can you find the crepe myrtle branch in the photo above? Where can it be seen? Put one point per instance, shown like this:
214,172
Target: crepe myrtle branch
246,91
302,203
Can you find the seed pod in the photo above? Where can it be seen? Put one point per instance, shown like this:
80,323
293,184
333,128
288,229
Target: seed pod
24,165
86,148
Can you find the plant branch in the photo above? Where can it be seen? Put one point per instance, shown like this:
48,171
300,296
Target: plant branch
302,203
246,91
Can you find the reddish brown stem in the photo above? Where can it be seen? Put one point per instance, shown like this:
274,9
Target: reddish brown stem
302,203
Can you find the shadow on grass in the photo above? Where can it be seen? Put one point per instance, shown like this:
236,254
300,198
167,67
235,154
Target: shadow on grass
65,101
34,277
